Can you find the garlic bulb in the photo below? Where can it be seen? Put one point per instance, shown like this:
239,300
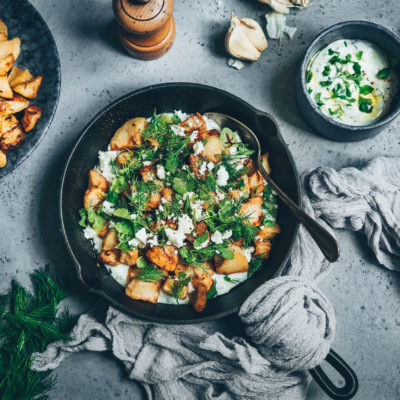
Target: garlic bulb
282,6
245,39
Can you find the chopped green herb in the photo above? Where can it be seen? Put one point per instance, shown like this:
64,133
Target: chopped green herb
95,220
383,73
325,83
150,274
327,70
366,89
365,105
359,55
200,239
357,68
309,76
231,280
255,264
212,292
309,90
83,215
318,100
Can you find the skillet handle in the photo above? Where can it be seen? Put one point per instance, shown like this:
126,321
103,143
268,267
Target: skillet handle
350,387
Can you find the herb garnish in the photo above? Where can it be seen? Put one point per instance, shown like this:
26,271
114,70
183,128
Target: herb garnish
383,73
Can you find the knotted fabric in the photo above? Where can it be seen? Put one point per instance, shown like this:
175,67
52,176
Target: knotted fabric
289,324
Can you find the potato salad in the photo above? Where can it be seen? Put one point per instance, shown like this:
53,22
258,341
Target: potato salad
177,209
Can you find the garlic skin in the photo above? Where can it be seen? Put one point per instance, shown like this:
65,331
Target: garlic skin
276,26
282,6
245,39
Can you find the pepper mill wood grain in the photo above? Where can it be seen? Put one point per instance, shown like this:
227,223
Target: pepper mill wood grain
146,27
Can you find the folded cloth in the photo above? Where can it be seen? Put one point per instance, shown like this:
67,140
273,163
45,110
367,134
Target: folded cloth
289,323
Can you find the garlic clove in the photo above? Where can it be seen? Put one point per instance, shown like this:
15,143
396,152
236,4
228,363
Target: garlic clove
245,39
255,33
282,6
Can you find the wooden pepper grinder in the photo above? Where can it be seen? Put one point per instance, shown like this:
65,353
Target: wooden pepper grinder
146,27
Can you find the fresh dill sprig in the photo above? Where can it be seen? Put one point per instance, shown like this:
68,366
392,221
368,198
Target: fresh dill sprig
28,323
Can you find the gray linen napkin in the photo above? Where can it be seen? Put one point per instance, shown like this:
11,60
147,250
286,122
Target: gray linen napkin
289,323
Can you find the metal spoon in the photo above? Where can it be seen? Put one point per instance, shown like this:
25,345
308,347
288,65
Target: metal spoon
325,241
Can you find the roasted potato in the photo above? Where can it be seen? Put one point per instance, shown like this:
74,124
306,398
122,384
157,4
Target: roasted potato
3,31
31,116
129,136
212,149
256,183
96,179
148,173
11,139
14,105
29,89
203,274
110,240
93,197
129,257
12,46
199,229
198,297
239,262
252,209
238,193
167,287
145,291
5,90
18,76
167,194
195,163
7,122
165,257
195,123
6,63
104,230
109,257
265,163
250,165
3,159
262,247
268,232
154,201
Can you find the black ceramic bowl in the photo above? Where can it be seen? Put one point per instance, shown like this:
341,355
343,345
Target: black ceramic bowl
96,136
376,34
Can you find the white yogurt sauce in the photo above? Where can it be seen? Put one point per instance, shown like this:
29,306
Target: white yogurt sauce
352,81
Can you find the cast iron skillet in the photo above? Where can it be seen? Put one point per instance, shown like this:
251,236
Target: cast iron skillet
189,98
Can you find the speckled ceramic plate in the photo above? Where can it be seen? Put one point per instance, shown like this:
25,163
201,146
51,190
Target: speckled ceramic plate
40,56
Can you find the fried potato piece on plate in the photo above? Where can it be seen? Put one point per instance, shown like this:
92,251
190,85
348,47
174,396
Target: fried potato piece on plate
18,76
262,247
165,257
31,116
253,209
14,105
243,190
110,240
268,232
93,197
198,297
129,257
265,163
168,287
96,179
238,263
3,159
109,257
129,135
212,149
256,183
6,64
12,46
11,139
7,122
3,31
195,123
29,89
5,90
145,291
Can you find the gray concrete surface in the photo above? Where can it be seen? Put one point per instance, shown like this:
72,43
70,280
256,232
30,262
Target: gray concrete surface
95,71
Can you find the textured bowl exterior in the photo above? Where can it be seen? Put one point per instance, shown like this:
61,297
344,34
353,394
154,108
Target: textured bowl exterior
40,56
325,126
96,136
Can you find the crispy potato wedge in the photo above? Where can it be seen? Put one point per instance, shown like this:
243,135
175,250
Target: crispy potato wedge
6,64
109,257
167,287
31,116
238,263
238,193
198,297
29,89
212,148
18,76
11,139
154,201
145,291
129,135
3,31
195,123
268,232
256,183
12,46
110,240
96,179
14,105
104,230
262,247
203,275
253,209
3,159
93,197
129,257
7,122
165,257
265,163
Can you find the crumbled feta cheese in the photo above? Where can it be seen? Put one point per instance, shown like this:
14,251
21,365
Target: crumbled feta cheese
141,236
219,195
89,233
177,238
152,240
146,163
210,166
111,225
233,150
161,171
105,158
163,200
133,216
211,124
161,207
198,147
178,130
216,237
227,234
222,176
248,253
185,224
108,207
181,115
197,208
193,136
203,168
133,242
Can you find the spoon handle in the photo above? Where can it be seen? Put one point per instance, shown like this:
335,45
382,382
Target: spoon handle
325,241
